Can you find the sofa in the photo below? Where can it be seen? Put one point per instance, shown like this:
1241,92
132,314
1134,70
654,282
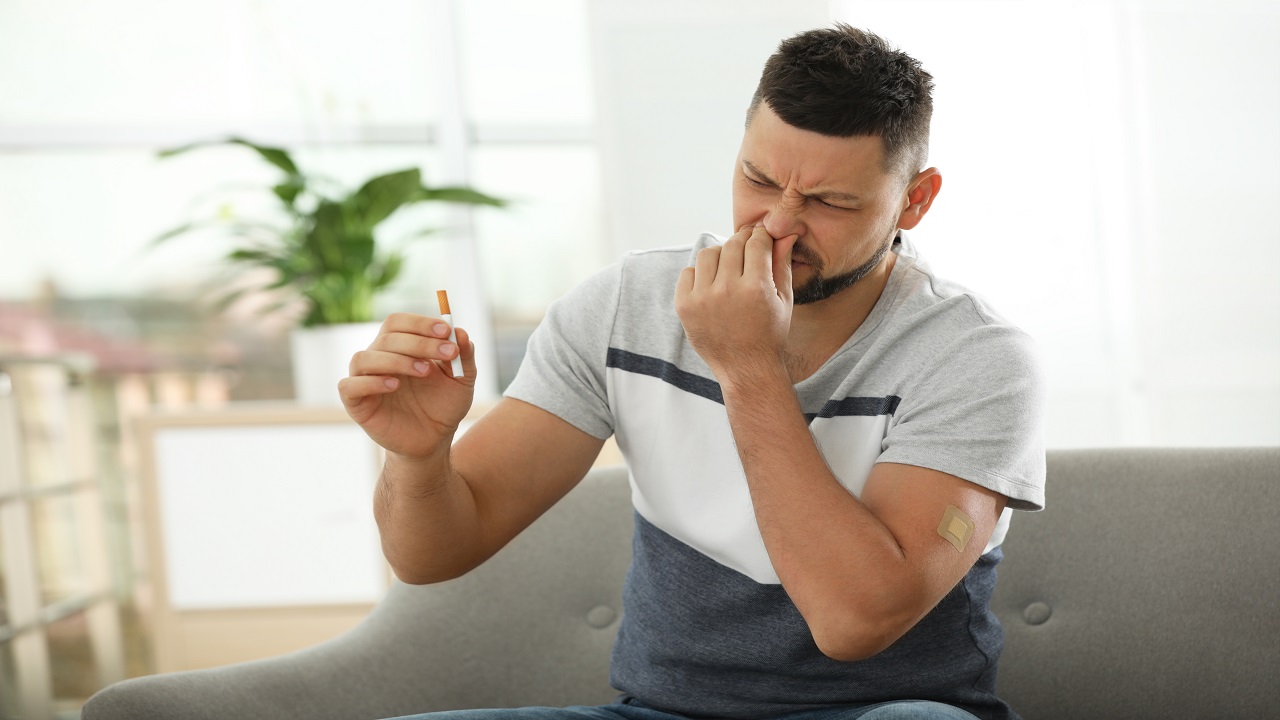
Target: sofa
1149,588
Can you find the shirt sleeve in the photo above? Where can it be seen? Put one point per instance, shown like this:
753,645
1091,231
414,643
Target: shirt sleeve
976,411
563,371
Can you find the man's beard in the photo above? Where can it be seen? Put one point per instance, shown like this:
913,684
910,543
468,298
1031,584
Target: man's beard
818,287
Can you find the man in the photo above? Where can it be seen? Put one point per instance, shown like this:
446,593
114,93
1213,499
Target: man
825,439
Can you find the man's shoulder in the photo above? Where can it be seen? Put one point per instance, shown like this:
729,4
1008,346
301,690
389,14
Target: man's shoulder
939,323
670,257
653,272
636,286
929,302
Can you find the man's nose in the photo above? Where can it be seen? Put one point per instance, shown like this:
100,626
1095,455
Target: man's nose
784,219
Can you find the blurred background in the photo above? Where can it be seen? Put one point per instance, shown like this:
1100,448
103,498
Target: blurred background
1110,184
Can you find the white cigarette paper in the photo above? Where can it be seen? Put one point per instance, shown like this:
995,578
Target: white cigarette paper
456,365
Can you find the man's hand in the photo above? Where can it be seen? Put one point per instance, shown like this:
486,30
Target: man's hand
402,391
735,302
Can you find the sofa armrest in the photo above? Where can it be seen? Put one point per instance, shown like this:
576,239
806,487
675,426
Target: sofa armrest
532,626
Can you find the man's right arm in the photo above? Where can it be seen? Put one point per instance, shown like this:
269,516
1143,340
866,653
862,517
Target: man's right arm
444,507
442,515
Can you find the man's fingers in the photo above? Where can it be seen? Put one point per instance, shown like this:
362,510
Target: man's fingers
708,261
731,258
781,258
759,250
415,346
468,354
354,389
415,325
378,362
684,284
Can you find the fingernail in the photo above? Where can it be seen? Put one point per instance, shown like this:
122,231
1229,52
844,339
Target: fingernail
421,367
442,330
391,383
446,350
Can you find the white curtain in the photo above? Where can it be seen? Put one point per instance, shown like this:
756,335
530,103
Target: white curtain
1109,182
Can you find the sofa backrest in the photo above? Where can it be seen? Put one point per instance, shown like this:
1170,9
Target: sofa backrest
1148,587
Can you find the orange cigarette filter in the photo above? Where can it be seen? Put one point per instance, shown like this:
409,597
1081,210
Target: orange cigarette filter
443,298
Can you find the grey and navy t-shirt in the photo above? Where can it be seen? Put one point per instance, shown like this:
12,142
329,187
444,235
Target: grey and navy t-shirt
933,377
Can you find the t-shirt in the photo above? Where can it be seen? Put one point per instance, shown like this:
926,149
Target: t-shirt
933,377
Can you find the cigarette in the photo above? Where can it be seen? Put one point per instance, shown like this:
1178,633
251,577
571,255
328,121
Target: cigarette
443,298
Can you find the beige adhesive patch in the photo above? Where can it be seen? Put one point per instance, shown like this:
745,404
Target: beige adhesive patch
956,527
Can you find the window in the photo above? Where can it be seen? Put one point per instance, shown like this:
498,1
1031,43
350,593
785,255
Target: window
471,92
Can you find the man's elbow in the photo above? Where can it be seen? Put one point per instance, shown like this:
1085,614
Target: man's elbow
413,571
850,639
410,577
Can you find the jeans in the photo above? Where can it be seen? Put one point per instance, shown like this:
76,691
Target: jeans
631,709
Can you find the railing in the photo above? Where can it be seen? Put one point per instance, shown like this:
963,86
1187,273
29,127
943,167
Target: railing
74,592
60,632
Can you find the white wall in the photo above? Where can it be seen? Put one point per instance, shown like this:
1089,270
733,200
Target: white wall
673,82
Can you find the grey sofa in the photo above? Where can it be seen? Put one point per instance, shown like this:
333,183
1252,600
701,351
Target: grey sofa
1148,589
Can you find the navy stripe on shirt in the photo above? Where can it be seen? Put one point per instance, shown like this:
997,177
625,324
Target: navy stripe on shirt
697,385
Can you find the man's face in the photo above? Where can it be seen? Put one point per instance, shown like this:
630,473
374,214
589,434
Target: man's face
830,191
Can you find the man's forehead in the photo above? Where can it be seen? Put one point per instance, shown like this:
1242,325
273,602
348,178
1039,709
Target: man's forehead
853,174
847,164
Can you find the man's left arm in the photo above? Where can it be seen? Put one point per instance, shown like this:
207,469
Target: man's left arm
862,572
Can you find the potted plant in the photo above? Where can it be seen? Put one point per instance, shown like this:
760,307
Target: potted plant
325,257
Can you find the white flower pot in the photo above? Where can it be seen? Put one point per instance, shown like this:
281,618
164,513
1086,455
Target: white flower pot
321,357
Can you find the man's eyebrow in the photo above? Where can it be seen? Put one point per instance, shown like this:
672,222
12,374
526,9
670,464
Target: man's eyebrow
821,194
757,171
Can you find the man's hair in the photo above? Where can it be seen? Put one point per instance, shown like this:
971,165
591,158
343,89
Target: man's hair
844,82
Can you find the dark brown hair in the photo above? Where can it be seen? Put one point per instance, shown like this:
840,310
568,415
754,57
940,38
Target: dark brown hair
843,82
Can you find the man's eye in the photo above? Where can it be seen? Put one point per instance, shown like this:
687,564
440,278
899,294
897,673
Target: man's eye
833,207
756,182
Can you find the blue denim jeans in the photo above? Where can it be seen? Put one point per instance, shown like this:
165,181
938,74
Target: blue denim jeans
631,709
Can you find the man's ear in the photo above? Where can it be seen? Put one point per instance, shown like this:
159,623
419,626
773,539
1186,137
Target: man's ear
919,197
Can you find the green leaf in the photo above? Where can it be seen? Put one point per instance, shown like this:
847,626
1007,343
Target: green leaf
357,250
257,257
315,316
180,230
289,190
273,155
282,281
460,195
337,299
383,195
325,238
422,233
